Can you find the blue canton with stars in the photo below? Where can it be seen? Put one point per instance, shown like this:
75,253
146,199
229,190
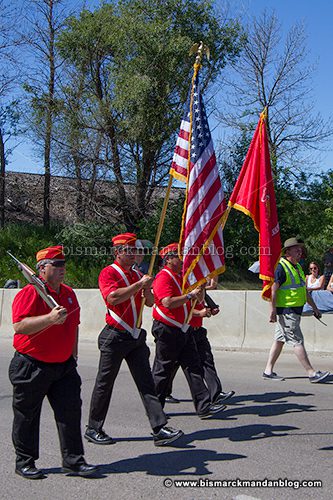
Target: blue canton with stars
200,130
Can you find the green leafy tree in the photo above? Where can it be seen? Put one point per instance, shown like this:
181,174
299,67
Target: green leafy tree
134,56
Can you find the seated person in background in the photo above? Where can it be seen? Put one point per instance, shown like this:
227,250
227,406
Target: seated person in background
330,284
328,265
12,284
313,280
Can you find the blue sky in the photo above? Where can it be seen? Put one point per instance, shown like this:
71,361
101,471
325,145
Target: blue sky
317,16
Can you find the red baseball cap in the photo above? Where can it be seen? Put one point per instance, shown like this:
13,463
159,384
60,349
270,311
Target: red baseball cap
172,248
52,253
128,239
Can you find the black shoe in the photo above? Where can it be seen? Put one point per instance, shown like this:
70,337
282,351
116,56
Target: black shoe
30,472
166,435
171,399
83,470
212,410
98,437
223,396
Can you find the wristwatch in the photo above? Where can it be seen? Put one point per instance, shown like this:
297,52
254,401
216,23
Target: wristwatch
189,296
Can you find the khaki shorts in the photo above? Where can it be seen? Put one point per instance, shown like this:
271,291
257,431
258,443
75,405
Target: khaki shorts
288,329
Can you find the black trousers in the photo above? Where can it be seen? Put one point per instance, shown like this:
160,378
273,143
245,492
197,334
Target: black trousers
210,375
174,346
114,347
32,380
207,362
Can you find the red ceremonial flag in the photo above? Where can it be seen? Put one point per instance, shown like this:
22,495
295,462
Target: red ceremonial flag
254,195
201,240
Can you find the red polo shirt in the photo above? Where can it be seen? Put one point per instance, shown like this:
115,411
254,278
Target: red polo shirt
110,280
164,286
55,343
197,321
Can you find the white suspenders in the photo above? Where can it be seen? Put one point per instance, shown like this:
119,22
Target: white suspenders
135,332
183,326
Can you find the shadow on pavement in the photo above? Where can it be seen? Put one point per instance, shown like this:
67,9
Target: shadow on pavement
267,397
236,406
57,470
241,433
178,461
170,463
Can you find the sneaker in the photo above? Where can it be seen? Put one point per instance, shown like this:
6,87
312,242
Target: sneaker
166,435
212,410
171,399
318,377
223,396
97,437
272,376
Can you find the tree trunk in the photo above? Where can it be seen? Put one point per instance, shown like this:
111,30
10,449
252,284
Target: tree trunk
110,131
2,181
80,208
49,120
47,179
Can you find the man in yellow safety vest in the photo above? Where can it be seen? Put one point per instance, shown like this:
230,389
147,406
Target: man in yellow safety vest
289,294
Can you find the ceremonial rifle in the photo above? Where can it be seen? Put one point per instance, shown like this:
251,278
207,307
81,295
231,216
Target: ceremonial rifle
210,302
39,285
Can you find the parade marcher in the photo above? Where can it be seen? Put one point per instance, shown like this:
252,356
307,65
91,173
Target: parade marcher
122,287
174,342
204,349
44,364
140,264
289,294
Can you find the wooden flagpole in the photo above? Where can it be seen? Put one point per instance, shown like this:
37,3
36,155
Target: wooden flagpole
156,243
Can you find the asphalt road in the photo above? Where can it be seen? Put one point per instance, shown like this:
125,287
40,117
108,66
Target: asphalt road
270,431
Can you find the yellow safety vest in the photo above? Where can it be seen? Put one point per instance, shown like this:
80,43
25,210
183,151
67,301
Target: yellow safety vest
292,293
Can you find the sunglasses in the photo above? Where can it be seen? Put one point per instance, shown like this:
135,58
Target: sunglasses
58,263
313,268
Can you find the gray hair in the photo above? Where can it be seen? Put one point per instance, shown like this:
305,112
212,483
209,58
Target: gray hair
42,263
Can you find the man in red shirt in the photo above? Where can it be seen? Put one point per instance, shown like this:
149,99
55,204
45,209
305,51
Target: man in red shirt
122,288
44,364
211,378
174,341
202,343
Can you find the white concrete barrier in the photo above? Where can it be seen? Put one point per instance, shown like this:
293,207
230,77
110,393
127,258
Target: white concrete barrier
242,323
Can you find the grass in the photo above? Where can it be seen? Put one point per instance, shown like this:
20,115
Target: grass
24,240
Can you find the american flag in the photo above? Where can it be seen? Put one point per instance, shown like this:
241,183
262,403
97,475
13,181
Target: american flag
201,240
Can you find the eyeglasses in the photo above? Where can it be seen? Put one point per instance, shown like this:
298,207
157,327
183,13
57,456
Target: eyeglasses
58,263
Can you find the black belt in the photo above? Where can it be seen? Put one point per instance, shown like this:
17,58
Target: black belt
53,363
17,353
117,330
